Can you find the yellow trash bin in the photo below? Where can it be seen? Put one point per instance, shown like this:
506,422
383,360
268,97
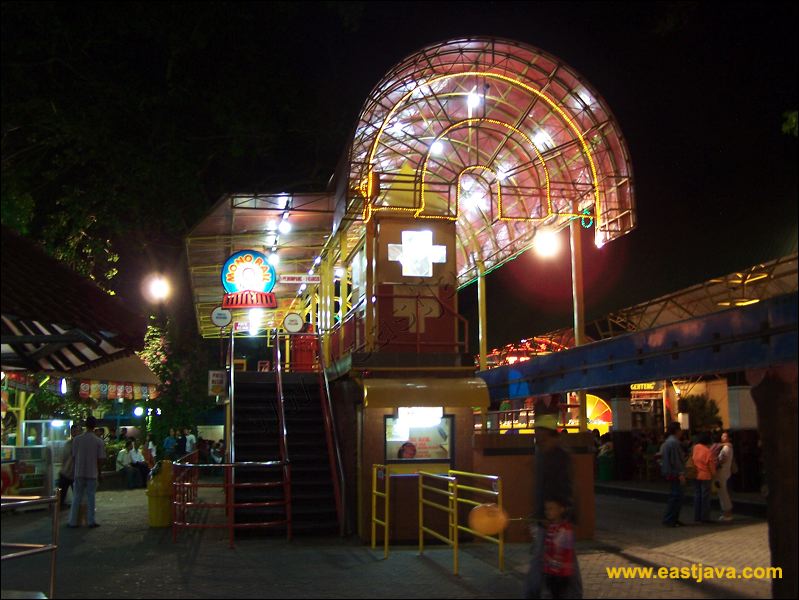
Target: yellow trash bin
159,494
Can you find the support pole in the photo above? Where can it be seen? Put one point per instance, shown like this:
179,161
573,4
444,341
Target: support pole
483,320
483,330
328,293
577,296
370,324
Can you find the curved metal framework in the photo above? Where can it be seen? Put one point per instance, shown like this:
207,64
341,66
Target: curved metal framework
498,136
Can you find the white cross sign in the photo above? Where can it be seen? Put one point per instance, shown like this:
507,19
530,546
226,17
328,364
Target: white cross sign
417,253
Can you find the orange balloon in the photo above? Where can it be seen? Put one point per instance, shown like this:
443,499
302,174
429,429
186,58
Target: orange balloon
488,519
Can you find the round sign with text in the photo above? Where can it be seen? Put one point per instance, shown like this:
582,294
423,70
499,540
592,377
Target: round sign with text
248,270
221,317
293,323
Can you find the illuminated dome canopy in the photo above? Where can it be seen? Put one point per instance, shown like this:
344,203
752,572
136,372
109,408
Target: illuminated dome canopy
498,136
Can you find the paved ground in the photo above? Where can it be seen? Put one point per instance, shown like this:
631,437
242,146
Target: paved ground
126,558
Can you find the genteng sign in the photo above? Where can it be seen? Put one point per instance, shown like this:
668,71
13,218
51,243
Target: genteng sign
248,279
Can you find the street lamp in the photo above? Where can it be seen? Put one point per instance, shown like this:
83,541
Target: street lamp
158,288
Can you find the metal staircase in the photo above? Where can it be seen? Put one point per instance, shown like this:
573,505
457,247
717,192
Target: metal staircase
286,416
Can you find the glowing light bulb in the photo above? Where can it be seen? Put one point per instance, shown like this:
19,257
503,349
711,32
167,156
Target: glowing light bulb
274,259
546,243
437,148
473,100
284,226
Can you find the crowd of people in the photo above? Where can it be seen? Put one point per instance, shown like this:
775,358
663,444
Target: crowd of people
84,454
707,464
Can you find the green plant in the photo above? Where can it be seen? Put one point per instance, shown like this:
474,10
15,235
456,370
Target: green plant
703,412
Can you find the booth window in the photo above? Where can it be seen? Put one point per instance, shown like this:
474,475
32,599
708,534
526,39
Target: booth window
419,435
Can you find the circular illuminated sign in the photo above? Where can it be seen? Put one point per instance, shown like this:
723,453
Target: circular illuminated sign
248,270
293,323
221,317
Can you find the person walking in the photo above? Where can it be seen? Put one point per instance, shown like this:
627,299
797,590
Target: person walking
672,467
705,471
88,453
66,474
553,479
723,472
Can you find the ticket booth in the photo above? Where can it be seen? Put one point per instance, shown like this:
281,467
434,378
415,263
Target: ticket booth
412,425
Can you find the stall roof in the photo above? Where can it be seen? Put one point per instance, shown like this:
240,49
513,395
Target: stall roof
53,319
130,368
391,393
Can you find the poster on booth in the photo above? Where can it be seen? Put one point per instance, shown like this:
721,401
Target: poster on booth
217,383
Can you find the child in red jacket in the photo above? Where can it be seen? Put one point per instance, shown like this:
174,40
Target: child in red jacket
558,549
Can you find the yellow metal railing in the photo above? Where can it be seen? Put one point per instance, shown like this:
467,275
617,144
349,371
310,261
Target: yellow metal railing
451,508
492,495
379,472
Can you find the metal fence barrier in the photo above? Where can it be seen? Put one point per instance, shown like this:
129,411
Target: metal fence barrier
380,473
186,484
23,550
489,495
451,508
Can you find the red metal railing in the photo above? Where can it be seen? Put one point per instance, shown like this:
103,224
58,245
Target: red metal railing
331,438
282,442
334,456
186,483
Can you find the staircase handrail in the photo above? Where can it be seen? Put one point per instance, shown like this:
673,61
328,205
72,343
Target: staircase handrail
332,439
282,442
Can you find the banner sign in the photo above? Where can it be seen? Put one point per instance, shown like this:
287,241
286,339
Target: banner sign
248,270
217,383
102,390
249,300
299,278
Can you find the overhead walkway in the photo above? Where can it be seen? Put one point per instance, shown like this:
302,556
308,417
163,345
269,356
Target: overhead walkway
758,335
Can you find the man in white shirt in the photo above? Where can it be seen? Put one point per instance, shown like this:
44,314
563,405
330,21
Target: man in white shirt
88,453
138,463
125,464
191,441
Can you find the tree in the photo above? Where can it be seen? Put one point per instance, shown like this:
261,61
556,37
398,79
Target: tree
123,122
182,368
703,413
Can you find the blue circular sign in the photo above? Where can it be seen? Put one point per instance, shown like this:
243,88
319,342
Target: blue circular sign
248,270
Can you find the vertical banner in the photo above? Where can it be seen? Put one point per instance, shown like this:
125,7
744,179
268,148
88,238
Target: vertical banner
217,383
85,389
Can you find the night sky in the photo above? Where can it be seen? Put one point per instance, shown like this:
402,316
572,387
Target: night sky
699,91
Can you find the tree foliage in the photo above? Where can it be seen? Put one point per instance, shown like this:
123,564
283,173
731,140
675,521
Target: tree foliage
703,412
125,120
182,368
